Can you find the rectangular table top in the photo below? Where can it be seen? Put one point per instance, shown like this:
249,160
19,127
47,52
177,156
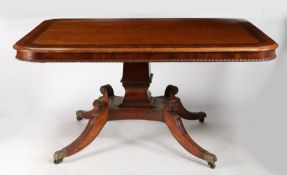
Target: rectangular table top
145,40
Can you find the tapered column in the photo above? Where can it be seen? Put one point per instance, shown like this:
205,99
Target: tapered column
136,81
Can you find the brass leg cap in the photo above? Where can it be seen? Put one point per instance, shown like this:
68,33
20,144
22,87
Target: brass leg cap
59,156
201,120
202,115
209,157
79,115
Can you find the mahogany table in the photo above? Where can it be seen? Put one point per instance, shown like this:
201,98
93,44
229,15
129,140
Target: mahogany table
136,43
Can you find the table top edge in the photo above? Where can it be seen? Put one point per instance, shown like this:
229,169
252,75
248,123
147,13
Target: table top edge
27,52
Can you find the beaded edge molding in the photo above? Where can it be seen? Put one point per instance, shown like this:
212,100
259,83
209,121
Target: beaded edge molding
102,60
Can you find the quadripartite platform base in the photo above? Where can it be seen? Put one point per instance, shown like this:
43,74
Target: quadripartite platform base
138,104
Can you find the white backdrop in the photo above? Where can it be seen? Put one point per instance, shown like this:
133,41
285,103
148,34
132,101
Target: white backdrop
245,102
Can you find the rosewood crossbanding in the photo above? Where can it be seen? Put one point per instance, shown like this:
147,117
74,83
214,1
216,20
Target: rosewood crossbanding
137,43
145,40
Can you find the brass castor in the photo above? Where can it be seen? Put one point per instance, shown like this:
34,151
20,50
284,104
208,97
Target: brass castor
79,115
201,120
79,118
202,115
211,159
59,156
211,165
58,161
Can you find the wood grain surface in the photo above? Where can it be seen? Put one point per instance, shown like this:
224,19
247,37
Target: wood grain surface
145,40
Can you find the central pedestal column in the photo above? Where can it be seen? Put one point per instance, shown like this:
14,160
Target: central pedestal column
136,81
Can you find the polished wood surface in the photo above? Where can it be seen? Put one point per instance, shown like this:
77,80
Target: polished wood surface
136,42
136,81
137,103
145,40
165,109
